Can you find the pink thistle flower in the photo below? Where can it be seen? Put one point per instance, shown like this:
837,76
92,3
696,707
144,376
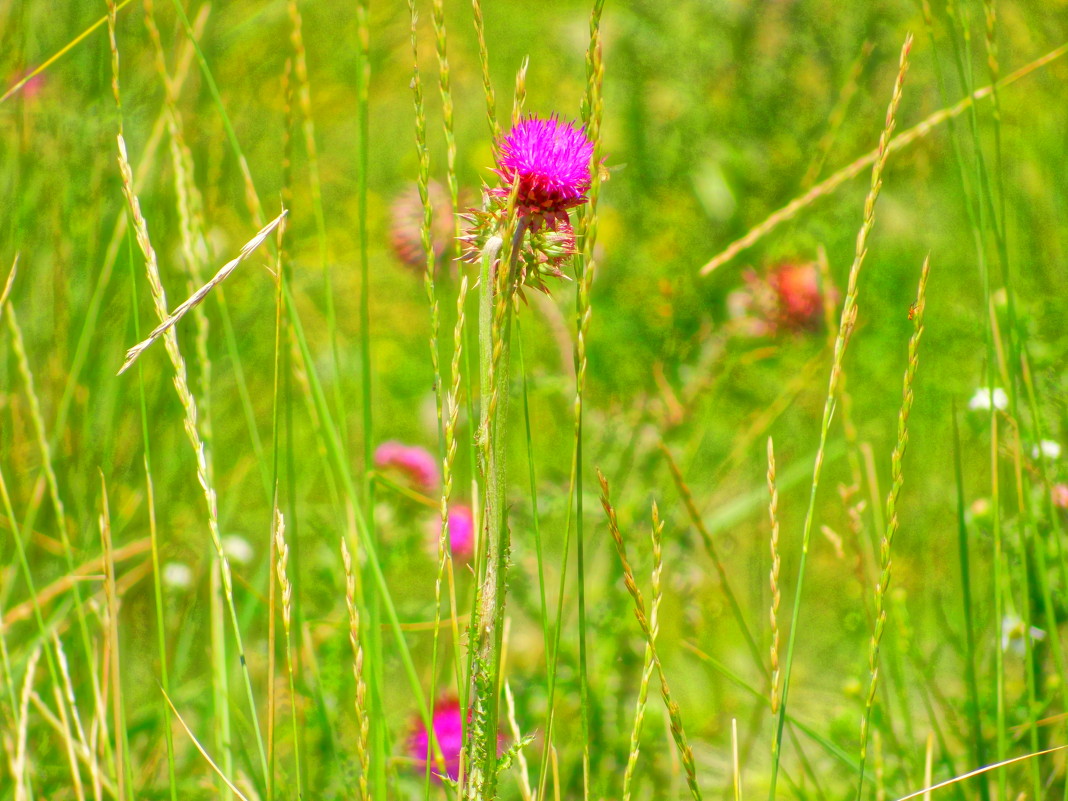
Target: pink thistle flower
449,732
551,161
462,531
417,464
1060,495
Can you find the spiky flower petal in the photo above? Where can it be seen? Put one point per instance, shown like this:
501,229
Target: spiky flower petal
551,161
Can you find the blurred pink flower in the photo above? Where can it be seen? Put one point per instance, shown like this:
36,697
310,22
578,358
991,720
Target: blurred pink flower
551,160
462,531
406,230
449,732
29,90
797,289
788,298
1060,495
417,464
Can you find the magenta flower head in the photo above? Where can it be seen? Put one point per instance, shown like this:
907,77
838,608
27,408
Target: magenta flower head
551,161
418,465
448,729
547,162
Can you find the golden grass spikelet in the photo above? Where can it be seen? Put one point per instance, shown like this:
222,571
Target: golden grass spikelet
678,733
363,723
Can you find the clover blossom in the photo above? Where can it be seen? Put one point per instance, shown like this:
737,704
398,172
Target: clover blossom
415,463
448,727
462,532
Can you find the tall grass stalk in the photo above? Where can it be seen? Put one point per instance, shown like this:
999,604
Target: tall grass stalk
379,736
124,786
483,60
592,115
363,726
647,665
678,733
447,112
897,480
315,185
430,265
153,534
281,550
776,591
189,408
845,331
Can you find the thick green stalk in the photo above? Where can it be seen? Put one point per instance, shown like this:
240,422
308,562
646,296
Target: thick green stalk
495,323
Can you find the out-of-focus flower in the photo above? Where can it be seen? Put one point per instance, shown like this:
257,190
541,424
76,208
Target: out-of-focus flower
1013,632
1060,495
787,299
237,549
448,730
177,575
983,398
417,464
30,90
1047,449
406,232
462,531
548,163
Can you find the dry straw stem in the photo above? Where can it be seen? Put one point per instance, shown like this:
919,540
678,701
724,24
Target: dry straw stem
363,723
845,331
224,272
203,751
678,734
647,667
19,763
980,771
896,481
903,140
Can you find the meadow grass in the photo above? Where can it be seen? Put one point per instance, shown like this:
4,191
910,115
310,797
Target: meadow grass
229,590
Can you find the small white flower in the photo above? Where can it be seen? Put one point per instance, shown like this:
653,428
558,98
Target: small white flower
177,575
237,549
1047,449
981,400
1013,633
